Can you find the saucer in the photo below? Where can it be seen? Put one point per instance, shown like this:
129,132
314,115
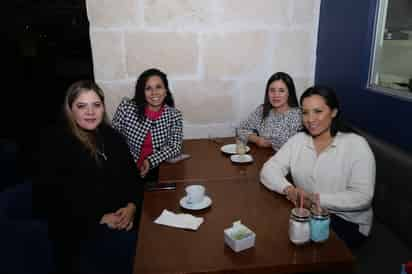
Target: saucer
245,158
231,149
202,205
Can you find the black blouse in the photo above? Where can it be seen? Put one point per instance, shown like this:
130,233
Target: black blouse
72,187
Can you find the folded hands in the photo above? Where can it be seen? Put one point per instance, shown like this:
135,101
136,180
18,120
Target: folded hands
122,219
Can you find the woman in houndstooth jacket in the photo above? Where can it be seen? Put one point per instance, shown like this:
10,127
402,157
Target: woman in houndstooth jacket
152,126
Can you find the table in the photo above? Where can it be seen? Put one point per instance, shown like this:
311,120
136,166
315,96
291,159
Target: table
162,249
236,194
208,162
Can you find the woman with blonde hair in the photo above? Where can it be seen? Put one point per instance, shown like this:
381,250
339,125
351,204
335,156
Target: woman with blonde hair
89,187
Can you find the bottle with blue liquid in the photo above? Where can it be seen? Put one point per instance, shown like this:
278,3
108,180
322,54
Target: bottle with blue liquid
319,224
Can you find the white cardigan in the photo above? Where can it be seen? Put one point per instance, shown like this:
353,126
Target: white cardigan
343,174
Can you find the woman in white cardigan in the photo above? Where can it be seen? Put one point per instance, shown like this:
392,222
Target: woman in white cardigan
327,160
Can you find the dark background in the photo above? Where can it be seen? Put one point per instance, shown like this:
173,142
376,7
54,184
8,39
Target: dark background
46,47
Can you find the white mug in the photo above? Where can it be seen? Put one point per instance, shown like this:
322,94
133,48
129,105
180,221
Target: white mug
195,194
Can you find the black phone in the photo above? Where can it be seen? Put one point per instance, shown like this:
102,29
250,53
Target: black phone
160,186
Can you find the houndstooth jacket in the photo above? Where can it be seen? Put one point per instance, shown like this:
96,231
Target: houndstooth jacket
167,131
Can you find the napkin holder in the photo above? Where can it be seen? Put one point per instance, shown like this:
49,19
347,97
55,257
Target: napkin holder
239,237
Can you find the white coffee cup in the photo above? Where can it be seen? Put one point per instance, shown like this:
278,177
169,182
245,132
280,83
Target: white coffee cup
195,194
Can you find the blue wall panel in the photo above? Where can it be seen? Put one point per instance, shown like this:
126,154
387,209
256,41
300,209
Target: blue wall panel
343,56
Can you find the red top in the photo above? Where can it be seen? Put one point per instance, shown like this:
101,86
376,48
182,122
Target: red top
408,267
147,146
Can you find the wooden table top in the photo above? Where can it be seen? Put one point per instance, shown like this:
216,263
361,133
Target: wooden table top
209,163
166,250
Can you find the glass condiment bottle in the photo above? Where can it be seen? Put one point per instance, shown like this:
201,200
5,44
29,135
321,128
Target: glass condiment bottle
319,224
299,226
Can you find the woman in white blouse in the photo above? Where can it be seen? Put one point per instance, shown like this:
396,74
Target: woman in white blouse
328,160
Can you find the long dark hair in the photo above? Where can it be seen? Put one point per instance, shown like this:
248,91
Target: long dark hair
292,99
139,94
331,100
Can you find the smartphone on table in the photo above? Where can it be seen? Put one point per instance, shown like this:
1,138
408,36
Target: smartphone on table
155,186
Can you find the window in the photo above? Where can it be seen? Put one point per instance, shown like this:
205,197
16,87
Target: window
391,66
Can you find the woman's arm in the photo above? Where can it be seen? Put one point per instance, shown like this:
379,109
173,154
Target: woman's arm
359,192
259,141
249,126
174,142
129,188
119,117
131,183
292,125
62,176
276,168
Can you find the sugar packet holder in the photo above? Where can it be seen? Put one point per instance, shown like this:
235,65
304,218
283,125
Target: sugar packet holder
239,237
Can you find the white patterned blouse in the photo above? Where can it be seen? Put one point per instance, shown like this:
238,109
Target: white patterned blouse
277,126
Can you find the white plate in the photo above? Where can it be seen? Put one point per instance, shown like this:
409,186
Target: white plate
231,149
202,205
245,158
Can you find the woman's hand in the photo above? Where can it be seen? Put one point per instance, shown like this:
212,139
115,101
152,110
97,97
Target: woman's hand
263,142
111,220
144,169
293,194
126,216
259,141
122,219
308,198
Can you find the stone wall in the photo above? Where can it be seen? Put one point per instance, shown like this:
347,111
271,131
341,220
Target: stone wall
218,54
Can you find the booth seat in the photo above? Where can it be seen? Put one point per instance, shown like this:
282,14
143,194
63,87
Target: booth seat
390,242
25,247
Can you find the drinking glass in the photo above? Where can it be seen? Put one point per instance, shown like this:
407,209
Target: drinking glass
241,141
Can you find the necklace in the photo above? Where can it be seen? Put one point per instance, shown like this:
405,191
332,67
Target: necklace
102,154
100,151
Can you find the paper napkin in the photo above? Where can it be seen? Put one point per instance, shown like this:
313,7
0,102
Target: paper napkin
185,221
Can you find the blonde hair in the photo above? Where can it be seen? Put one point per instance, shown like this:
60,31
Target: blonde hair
87,139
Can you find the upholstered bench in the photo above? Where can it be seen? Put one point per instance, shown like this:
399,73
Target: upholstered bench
25,247
390,242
